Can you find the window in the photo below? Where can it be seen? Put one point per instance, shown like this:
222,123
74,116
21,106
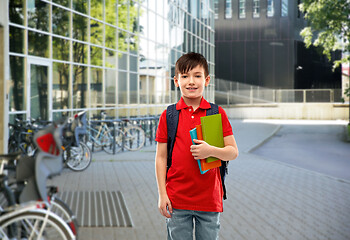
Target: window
284,8
216,8
228,9
38,15
256,8
60,92
101,51
242,8
270,8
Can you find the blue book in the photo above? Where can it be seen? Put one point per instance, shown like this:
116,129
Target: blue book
193,134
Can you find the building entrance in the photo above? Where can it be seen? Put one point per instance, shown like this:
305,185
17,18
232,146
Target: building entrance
38,91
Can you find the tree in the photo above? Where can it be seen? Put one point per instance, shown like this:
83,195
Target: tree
329,24
329,28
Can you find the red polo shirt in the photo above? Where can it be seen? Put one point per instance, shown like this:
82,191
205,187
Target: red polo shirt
186,187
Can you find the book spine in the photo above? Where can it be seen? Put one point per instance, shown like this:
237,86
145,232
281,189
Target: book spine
193,134
200,137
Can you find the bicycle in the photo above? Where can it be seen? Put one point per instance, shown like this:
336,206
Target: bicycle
103,137
24,171
134,136
122,135
20,137
28,221
32,219
149,125
76,154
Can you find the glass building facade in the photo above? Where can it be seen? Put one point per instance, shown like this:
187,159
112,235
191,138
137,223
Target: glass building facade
113,55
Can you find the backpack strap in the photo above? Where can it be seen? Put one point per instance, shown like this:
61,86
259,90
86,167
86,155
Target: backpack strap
214,109
224,164
172,119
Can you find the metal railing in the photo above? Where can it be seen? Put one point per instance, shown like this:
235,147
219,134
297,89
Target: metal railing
228,92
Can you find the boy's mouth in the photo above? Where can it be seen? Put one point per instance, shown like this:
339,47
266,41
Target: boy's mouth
191,88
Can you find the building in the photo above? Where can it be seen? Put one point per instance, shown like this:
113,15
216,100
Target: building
258,42
63,56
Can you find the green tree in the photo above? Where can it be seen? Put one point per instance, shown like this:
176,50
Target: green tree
328,28
329,25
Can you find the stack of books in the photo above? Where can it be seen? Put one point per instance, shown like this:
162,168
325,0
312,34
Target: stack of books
210,130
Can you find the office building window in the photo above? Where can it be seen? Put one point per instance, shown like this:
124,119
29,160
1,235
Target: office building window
256,8
228,9
284,8
242,8
270,8
216,9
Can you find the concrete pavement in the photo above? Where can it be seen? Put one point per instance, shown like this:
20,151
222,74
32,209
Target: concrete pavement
319,146
267,199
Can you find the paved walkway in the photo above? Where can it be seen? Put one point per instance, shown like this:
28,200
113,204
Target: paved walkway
266,199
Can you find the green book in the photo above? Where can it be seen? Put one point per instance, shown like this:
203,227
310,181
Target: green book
212,132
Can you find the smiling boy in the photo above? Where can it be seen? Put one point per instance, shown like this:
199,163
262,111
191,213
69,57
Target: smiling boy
186,197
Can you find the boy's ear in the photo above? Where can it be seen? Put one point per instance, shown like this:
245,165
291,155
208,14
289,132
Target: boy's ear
207,80
176,81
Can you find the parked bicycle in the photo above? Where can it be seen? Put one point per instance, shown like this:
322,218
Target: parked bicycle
115,135
100,136
149,125
21,136
33,219
76,155
134,135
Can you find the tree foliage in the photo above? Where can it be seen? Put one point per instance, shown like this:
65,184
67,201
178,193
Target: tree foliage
329,22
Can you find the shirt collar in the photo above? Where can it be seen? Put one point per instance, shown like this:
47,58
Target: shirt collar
203,105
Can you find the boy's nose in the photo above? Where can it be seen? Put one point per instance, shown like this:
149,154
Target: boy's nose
191,79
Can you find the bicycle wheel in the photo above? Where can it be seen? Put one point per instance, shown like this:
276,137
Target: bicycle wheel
79,158
35,225
13,147
109,135
62,210
93,138
134,138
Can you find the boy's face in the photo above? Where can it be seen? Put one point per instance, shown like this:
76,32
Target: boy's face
192,83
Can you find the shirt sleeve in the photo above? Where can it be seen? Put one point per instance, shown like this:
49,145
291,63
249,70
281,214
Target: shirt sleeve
162,130
226,125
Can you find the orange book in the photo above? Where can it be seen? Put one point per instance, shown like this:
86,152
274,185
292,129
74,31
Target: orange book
204,165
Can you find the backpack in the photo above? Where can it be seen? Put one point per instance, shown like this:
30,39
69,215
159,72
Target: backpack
172,118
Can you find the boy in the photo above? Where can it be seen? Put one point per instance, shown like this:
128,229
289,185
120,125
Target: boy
185,194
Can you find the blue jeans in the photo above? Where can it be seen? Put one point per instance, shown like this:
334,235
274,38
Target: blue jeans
180,225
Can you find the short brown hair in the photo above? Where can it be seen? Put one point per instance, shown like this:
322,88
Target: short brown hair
189,61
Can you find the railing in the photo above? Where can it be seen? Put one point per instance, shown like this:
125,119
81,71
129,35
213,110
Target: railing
227,93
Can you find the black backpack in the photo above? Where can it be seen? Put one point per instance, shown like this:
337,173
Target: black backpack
172,119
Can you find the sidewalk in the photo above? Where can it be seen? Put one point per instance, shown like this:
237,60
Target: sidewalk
266,199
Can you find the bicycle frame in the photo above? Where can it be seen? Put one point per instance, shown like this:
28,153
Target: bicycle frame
99,133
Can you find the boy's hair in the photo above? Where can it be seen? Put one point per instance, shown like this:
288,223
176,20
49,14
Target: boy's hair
189,61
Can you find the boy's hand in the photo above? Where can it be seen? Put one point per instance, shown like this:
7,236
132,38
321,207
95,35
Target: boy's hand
164,206
200,151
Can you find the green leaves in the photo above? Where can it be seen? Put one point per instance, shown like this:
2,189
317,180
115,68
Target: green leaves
329,26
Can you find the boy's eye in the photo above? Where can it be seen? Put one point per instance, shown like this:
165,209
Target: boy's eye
198,76
184,76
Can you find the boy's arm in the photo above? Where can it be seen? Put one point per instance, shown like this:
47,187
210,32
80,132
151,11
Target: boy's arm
204,150
164,203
